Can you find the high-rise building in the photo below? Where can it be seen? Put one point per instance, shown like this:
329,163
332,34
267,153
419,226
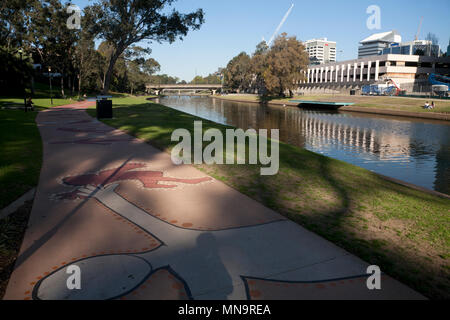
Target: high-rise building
448,49
376,43
321,50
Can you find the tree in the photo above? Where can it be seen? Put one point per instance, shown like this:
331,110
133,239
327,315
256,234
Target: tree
433,38
105,50
258,66
14,71
419,52
125,22
139,69
14,19
135,76
163,79
87,60
15,45
198,80
238,72
150,67
286,61
213,78
50,37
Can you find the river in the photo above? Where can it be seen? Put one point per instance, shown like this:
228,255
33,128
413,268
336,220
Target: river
413,150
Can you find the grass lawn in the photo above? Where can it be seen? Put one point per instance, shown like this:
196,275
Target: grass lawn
41,98
404,231
20,154
387,103
20,144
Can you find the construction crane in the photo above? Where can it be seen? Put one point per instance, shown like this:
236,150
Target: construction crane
418,30
280,25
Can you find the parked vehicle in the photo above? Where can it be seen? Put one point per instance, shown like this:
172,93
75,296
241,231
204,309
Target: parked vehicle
379,90
441,90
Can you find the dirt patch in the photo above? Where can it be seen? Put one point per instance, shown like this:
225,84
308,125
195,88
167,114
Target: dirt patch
12,230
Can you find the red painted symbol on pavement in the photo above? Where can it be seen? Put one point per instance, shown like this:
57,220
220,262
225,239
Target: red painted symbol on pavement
149,179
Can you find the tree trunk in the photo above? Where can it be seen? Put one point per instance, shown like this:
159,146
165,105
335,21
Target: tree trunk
110,71
69,84
62,86
80,75
32,86
103,81
73,84
79,85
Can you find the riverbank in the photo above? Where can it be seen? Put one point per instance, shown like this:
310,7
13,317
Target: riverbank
395,106
404,231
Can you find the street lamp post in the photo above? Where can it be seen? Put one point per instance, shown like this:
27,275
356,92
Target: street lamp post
23,83
50,80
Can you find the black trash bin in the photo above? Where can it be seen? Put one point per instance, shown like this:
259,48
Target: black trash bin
104,109
353,92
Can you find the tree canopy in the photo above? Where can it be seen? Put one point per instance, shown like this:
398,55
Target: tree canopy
123,23
213,78
238,72
275,70
36,32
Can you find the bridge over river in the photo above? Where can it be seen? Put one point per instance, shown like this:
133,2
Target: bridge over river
192,88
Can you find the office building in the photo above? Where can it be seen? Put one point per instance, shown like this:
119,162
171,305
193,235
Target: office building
417,47
376,43
321,50
403,69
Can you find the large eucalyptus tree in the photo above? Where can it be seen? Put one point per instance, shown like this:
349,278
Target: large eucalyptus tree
123,23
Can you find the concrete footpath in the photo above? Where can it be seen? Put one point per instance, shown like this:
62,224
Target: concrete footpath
139,227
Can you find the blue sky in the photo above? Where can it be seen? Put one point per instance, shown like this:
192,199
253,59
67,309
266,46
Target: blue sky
233,26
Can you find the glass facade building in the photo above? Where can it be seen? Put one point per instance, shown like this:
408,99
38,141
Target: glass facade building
429,50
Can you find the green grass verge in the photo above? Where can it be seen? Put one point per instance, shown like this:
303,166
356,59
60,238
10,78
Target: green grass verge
404,231
20,165
20,144
20,154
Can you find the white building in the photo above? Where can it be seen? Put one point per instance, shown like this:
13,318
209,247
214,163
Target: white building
322,50
376,43
409,71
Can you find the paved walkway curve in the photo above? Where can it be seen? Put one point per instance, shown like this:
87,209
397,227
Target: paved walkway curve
139,227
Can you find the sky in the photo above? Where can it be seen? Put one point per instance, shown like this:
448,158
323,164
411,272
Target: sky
233,26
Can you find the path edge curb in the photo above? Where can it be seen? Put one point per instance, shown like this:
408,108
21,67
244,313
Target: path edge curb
12,207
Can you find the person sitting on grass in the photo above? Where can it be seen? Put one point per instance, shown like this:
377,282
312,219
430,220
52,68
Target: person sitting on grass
30,104
432,105
426,105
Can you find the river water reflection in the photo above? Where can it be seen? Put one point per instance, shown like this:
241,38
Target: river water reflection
413,150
